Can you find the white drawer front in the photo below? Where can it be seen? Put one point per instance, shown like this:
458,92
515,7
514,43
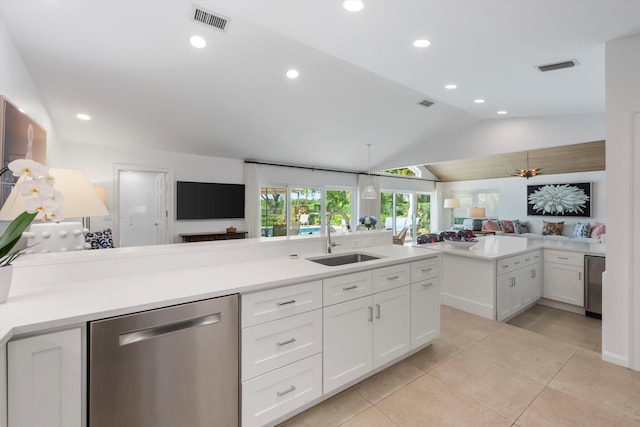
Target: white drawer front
531,258
272,395
507,265
391,277
282,302
269,346
564,257
347,287
425,269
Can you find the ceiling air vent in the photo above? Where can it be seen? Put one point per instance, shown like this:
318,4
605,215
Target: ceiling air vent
426,102
558,65
211,19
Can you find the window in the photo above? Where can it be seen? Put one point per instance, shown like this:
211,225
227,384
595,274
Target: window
405,209
293,210
487,199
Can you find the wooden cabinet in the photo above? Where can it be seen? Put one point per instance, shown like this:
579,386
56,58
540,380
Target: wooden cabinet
281,357
44,374
563,276
203,237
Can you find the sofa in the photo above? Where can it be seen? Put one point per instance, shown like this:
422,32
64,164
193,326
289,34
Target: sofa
579,231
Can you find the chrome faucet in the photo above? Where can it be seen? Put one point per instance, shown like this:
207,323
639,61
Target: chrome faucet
330,215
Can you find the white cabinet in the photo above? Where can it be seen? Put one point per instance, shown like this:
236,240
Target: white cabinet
518,283
425,301
281,357
391,324
563,276
531,283
44,374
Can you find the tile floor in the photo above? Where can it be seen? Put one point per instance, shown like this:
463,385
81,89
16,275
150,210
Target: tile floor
539,370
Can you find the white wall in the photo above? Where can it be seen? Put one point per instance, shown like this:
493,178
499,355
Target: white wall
621,293
513,196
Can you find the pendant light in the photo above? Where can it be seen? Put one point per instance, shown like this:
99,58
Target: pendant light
527,173
369,193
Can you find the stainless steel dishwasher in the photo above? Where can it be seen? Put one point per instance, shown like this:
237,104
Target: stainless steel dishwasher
175,366
594,266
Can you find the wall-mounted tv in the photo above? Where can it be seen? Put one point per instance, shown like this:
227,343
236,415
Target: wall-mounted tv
208,200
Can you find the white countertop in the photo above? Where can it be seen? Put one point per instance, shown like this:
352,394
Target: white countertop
495,247
238,267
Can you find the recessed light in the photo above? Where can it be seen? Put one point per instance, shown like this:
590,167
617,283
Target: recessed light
353,5
422,43
197,41
293,74
479,101
21,110
451,86
83,116
502,112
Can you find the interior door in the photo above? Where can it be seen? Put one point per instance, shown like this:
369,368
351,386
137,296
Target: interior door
142,207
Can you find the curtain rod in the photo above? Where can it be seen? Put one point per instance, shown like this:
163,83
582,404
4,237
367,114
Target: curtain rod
412,178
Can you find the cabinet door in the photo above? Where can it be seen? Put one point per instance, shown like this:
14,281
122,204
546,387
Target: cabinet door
564,283
425,311
509,294
45,380
531,283
347,333
391,325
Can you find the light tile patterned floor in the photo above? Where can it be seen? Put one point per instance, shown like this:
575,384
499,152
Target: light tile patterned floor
538,370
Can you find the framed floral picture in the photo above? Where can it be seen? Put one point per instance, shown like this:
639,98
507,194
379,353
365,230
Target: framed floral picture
559,199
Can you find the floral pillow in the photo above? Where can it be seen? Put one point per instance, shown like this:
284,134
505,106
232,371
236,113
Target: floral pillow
598,230
582,229
466,235
449,235
552,228
523,227
508,226
490,225
429,238
99,239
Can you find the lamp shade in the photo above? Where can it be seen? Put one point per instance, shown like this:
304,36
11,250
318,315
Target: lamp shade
80,197
477,212
451,203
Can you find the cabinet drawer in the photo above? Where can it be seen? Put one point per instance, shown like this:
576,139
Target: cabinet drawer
425,269
531,258
272,395
391,277
347,287
281,302
564,257
510,264
271,345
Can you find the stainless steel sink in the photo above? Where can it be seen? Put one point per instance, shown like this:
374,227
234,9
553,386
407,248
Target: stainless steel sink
342,259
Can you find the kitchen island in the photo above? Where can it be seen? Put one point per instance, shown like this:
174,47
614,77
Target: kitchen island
56,295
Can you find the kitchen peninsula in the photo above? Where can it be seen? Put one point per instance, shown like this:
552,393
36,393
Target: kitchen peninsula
56,296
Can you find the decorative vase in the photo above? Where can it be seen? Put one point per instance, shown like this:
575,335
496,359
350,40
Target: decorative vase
6,273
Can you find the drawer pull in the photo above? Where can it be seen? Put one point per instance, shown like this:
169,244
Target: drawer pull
517,262
286,302
348,288
396,277
426,270
563,257
505,266
378,310
527,259
289,341
287,391
427,285
370,314
533,274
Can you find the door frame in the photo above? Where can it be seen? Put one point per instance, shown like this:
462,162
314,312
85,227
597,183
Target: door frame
169,199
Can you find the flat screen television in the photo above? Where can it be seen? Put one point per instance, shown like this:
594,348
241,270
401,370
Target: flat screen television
208,200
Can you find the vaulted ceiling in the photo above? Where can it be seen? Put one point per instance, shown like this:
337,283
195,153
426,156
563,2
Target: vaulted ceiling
130,66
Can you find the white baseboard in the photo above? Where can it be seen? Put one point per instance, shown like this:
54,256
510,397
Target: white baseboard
469,306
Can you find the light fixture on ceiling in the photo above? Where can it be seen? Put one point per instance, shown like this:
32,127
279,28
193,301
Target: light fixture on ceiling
501,112
369,193
421,43
451,86
293,74
198,42
83,116
353,5
479,101
527,173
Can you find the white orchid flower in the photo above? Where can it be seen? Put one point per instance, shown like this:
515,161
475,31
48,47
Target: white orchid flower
34,187
53,210
27,166
35,204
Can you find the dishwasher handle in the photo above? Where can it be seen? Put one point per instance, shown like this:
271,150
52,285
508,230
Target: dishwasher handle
170,328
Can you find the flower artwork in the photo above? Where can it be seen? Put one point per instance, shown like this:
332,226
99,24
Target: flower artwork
559,200
368,222
42,202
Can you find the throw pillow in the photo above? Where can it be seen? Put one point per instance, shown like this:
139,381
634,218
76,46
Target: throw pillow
467,224
598,230
523,227
429,238
581,229
552,228
466,235
100,239
507,226
449,235
490,225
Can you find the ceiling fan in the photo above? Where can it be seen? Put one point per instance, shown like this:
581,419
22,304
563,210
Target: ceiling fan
527,173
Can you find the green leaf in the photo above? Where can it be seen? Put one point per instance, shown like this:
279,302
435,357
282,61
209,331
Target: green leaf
13,233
